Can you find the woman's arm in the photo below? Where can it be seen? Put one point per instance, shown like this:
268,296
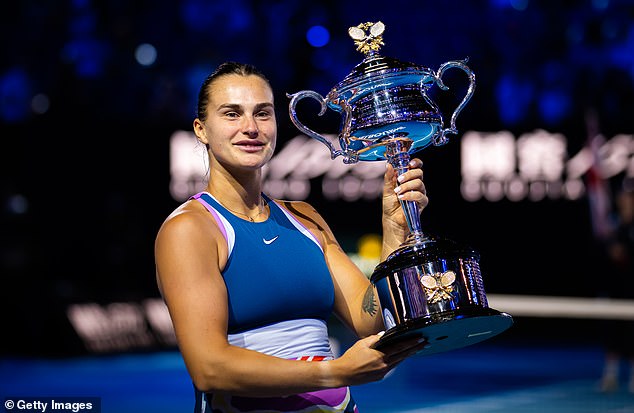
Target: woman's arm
189,250
356,303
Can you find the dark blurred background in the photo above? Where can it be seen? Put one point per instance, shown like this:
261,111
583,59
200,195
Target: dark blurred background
92,92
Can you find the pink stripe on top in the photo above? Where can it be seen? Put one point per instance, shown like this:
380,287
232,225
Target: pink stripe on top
226,229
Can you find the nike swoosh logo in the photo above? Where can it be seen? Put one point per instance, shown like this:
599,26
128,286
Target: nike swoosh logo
270,241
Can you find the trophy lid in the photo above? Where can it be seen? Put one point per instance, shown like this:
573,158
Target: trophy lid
368,38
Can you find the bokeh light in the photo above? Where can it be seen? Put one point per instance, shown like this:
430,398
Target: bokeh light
318,36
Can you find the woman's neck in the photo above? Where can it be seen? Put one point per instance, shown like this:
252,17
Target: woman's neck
242,197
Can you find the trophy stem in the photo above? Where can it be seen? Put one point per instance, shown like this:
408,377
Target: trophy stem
397,154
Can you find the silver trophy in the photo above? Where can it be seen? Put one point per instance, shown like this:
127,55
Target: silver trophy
430,286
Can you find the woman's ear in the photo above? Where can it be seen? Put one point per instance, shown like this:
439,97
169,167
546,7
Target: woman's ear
199,130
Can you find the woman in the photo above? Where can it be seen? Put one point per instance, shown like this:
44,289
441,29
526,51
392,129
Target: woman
250,281
618,335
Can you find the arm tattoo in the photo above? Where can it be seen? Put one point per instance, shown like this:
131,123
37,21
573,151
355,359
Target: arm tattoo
368,305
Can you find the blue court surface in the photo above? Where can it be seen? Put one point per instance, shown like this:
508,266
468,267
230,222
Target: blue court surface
492,376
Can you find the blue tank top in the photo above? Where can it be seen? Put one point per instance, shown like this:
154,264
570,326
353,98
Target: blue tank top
275,270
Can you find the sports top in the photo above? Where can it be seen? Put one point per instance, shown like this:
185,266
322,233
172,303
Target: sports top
275,269
280,296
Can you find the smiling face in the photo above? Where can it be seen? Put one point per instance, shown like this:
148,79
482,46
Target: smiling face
240,128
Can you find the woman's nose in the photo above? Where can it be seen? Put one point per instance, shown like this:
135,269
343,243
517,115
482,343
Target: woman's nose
250,126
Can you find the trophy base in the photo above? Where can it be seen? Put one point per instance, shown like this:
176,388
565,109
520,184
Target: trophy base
450,330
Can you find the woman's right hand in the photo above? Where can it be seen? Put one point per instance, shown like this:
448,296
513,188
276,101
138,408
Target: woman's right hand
362,363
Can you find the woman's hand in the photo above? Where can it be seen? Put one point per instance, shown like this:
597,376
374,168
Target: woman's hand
361,363
409,186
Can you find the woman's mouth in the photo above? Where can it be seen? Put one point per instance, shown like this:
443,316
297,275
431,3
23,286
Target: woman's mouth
250,146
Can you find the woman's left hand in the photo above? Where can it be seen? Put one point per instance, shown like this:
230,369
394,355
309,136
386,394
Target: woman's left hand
409,186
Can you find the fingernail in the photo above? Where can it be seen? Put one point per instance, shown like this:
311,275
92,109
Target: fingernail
427,346
380,333
397,189
401,177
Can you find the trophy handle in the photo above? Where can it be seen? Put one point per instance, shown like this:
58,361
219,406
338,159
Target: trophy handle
295,98
460,64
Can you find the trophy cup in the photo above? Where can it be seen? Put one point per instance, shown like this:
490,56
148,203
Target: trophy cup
430,286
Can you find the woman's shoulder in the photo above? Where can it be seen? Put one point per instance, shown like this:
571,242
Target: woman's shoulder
301,208
187,217
305,212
